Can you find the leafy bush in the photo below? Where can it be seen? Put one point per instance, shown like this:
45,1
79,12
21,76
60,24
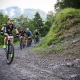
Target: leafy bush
1,40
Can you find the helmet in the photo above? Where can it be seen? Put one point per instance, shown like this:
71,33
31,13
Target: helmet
11,19
36,30
27,29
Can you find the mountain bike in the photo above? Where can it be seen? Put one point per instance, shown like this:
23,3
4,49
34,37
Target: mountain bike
22,44
29,41
9,50
36,39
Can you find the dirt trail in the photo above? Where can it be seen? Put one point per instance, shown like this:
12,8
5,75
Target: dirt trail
32,66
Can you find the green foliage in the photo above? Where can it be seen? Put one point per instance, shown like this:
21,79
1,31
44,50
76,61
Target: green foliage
3,19
37,22
61,4
1,40
65,14
48,23
64,20
49,37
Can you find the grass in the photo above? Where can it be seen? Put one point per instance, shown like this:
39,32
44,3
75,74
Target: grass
64,21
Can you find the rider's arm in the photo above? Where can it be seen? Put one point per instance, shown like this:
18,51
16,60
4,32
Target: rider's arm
17,32
2,29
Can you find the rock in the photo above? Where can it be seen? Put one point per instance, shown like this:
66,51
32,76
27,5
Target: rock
74,77
51,64
77,63
69,64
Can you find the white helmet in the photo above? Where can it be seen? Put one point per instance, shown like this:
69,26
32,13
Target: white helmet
27,29
36,30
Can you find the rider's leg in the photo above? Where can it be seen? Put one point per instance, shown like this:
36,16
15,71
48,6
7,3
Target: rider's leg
6,38
24,39
5,41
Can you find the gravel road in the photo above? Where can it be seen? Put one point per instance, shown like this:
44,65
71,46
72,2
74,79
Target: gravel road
28,65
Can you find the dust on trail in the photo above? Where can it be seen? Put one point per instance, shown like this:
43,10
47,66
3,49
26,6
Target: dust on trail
28,65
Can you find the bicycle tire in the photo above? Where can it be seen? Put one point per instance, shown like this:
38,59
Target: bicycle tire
29,42
9,53
36,40
24,45
21,44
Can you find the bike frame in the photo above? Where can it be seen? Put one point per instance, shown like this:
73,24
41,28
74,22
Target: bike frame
9,41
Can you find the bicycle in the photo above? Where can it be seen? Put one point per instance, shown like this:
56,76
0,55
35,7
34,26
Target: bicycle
9,46
36,39
9,50
29,41
22,44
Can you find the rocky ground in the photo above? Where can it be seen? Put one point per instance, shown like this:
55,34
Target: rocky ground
28,65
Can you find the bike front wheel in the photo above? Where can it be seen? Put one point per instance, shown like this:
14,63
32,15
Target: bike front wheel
10,53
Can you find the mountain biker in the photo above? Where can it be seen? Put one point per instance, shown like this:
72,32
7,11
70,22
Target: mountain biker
36,32
36,35
28,33
7,30
28,36
22,33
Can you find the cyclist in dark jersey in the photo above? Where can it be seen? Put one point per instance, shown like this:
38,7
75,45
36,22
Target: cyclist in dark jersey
23,33
36,36
36,32
7,30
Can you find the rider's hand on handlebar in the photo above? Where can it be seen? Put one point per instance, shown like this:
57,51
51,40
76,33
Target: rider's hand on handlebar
1,32
17,35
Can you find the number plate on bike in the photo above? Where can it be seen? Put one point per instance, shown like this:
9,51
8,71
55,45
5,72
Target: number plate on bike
10,37
20,36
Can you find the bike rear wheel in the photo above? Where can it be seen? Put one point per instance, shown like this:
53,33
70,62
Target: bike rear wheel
29,42
36,40
10,53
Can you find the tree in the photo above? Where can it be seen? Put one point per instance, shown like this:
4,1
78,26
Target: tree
3,19
61,4
37,20
50,18
29,24
20,20
48,23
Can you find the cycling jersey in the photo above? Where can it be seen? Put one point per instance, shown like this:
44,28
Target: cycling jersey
22,33
36,33
28,33
10,29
